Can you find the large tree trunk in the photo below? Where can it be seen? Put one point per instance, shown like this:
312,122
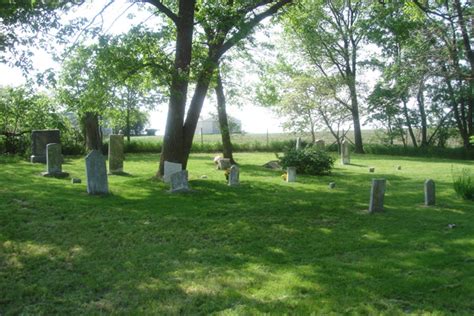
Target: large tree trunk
195,107
223,119
359,148
92,131
408,122
173,140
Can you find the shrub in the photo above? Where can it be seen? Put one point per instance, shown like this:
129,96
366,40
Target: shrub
463,184
309,160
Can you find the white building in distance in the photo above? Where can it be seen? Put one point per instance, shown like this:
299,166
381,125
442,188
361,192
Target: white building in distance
211,126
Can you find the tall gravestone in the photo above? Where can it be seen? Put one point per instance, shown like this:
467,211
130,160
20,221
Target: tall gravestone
179,182
96,173
377,194
291,174
39,140
234,176
320,144
298,143
54,160
170,168
345,153
430,195
116,154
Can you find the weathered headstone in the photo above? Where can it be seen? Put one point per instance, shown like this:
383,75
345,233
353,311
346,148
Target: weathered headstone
39,140
179,181
291,174
223,164
116,154
76,180
377,194
372,169
54,160
234,176
332,185
345,153
96,173
430,192
298,143
170,168
320,144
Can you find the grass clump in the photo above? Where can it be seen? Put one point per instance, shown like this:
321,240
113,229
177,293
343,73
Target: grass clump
464,185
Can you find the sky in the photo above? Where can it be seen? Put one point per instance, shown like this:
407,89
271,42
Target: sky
116,20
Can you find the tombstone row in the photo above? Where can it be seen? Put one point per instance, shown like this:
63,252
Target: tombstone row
377,194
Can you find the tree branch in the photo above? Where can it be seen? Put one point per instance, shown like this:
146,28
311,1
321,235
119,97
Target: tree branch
249,25
164,9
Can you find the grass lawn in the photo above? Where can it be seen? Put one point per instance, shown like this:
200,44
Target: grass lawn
264,247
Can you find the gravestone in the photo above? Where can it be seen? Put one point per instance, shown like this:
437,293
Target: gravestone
234,175
179,182
399,167
54,160
223,164
76,180
96,173
298,143
372,169
345,153
332,185
377,194
170,168
291,174
116,154
39,140
430,192
320,144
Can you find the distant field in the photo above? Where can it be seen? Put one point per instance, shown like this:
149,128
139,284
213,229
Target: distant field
368,136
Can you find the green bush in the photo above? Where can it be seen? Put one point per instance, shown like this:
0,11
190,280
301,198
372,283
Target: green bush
309,160
463,184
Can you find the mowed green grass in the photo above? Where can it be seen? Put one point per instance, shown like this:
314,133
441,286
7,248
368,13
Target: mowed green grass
264,247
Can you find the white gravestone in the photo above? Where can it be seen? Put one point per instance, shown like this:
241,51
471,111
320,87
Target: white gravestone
291,174
54,160
234,176
170,168
96,173
298,143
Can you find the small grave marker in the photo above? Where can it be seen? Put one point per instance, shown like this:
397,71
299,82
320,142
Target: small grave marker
377,194
430,192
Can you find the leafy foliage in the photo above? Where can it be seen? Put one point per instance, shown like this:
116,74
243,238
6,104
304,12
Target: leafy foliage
309,160
463,184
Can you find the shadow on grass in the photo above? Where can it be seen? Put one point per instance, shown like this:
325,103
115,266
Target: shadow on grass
262,247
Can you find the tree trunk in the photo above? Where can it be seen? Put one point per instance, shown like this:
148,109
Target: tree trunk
223,120
195,107
358,145
173,140
408,122
128,123
92,131
421,106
